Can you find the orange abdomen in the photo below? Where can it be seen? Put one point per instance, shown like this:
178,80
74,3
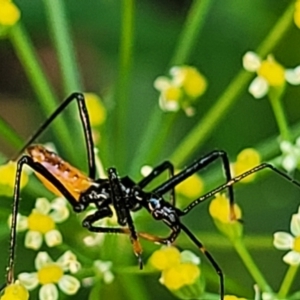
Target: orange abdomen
74,180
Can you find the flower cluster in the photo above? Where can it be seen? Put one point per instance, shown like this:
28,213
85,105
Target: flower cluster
270,74
290,155
41,223
179,270
50,273
246,160
184,87
287,241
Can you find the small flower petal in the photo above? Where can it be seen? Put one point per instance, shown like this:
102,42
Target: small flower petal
48,292
292,258
53,238
283,240
295,225
60,211
292,76
251,61
258,87
29,280
69,284
42,205
33,240
42,259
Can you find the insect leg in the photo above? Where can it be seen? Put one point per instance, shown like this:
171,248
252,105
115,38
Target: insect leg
195,167
237,179
85,121
209,257
27,160
106,212
155,173
119,199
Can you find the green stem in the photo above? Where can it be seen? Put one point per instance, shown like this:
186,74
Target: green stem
276,103
287,281
191,29
122,88
186,42
62,41
10,135
204,128
36,76
60,33
251,266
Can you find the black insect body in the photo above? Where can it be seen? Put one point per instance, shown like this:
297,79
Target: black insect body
122,193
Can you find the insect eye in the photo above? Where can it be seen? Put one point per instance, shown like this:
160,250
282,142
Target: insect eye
154,203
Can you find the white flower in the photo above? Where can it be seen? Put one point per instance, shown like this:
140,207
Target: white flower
184,87
41,223
104,268
269,74
50,275
291,155
287,241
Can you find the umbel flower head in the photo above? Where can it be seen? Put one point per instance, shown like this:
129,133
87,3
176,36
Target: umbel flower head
180,271
50,273
180,91
291,242
41,223
270,74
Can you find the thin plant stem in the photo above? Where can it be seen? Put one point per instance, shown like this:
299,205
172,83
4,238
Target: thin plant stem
60,33
203,129
36,76
10,135
159,121
279,113
287,281
191,29
251,266
122,88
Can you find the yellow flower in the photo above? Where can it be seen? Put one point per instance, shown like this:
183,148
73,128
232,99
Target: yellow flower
191,187
96,109
185,86
180,275
272,71
41,223
232,297
49,274
220,212
246,160
165,257
270,74
297,14
15,291
9,13
7,178
219,209
193,83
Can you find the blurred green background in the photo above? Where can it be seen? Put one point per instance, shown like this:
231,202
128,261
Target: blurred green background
231,28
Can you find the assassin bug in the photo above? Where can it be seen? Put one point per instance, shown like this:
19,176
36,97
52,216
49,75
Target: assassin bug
122,193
